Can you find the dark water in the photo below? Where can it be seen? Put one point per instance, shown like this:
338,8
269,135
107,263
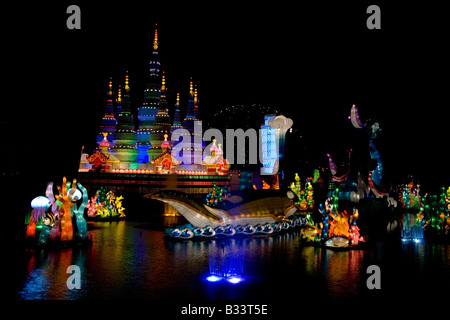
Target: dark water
127,262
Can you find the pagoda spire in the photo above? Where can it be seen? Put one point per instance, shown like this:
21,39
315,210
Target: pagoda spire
188,122
155,40
109,122
127,86
119,96
161,126
149,110
191,89
177,116
109,102
195,103
125,137
118,103
163,90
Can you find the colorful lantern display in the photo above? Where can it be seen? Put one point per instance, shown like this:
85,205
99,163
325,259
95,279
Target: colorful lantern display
306,195
216,195
105,205
79,214
49,222
337,229
55,232
65,197
436,211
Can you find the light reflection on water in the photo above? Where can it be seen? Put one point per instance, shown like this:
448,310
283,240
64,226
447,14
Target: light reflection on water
127,262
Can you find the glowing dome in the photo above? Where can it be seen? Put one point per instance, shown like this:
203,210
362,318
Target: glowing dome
105,142
40,202
77,194
165,144
213,148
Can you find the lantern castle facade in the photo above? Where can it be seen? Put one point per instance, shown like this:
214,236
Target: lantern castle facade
147,149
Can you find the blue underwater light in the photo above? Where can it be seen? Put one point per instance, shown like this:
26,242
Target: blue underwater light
213,278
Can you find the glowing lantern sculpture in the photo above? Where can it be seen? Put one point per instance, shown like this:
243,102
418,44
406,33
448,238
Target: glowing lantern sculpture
39,204
105,205
281,124
91,206
354,117
55,231
339,228
436,210
79,214
65,198
215,196
305,196
119,207
49,222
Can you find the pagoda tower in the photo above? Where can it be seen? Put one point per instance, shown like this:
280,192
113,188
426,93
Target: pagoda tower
125,137
161,126
109,123
149,109
189,123
177,116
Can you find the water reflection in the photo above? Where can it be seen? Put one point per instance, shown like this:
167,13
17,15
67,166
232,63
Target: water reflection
47,275
126,261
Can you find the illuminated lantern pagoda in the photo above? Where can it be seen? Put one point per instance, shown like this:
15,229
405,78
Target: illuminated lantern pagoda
189,123
136,158
161,127
149,110
165,163
102,160
124,138
108,121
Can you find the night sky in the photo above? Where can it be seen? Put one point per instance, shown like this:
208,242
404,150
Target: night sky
308,62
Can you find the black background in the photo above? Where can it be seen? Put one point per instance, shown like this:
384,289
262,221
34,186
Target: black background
310,62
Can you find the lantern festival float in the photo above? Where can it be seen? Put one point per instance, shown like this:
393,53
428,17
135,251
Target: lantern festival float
244,212
437,213
58,218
